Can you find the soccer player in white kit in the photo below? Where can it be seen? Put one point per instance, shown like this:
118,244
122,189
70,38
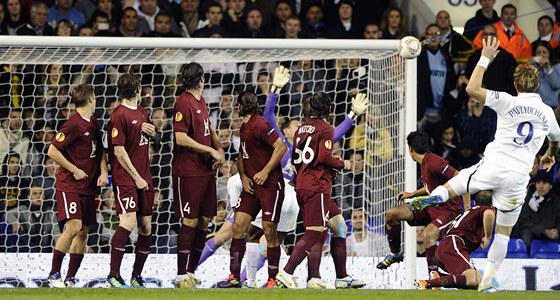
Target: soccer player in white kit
523,124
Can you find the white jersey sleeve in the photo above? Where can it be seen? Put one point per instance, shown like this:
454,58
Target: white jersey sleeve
498,101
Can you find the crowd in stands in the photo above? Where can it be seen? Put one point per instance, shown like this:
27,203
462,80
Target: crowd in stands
34,99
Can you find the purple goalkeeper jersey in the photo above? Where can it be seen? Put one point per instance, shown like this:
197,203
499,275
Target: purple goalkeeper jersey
286,162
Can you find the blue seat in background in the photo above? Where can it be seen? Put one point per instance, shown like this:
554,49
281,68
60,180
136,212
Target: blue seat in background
479,253
545,249
517,249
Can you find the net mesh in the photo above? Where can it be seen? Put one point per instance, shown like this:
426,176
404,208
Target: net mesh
38,80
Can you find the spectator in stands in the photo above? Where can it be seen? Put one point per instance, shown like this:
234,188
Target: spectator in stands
162,26
226,170
85,30
478,122
420,246
63,28
12,137
224,136
163,130
43,134
292,28
499,75
282,12
436,78
358,243
378,135
38,228
113,12
3,26
86,7
344,27
453,42
14,16
544,27
307,78
214,16
344,81
189,19
549,72
51,91
14,188
131,26
540,215
10,87
222,114
101,25
252,28
234,16
37,24
352,181
314,24
64,10
148,10
484,16
466,154
510,35
393,24
445,140
46,179
372,31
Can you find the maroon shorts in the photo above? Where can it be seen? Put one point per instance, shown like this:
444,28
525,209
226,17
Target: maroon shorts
268,197
315,207
128,199
195,196
437,215
453,255
75,206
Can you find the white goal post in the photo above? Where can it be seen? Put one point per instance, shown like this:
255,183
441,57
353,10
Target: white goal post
389,81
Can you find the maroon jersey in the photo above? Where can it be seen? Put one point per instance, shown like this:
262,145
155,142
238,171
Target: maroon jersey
125,129
312,156
79,140
435,172
191,117
469,226
257,138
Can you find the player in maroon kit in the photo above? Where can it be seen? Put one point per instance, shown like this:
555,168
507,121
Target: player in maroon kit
434,171
77,148
313,159
468,231
263,187
197,154
128,137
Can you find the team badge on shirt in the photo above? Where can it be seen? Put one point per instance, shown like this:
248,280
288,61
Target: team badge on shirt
178,117
115,132
328,144
60,137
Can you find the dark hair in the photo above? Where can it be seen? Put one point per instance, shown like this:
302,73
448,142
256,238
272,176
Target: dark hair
547,18
65,22
191,74
419,141
546,44
128,86
130,8
508,6
80,94
7,159
104,15
215,4
320,105
249,103
287,124
163,14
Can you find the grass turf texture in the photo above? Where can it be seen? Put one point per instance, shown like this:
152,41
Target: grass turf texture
276,294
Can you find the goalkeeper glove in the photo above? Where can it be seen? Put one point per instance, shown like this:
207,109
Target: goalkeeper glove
359,105
281,77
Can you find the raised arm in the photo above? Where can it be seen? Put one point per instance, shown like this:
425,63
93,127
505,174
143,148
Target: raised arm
281,77
489,51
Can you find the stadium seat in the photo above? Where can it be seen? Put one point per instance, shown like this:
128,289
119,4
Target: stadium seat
517,249
479,253
545,249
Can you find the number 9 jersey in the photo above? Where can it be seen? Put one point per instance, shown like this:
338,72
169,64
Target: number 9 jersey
312,156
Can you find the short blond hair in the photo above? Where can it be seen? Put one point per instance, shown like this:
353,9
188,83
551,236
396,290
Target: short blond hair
526,78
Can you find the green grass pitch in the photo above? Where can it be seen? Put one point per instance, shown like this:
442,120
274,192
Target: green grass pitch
276,294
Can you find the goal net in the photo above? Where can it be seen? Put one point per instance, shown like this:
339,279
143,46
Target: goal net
36,75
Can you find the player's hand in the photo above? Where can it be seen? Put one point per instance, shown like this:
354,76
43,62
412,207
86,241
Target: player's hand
79,174
551,233
360,103
247,185
490,47
260,178
404,195
485,241
334,173
219,158
547,161
103,180
347,165
148,129
281,77
141,184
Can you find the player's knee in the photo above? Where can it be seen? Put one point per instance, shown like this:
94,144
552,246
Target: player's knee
73,228
82,234
391,216
203,223
430,235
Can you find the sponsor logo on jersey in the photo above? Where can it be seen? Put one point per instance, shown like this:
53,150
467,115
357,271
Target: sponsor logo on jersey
178,117
198,111
328,144
60,137
267,213
87,133
134,122
270,132
114,132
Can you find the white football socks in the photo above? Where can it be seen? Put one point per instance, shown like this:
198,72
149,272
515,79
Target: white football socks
252,256
496,255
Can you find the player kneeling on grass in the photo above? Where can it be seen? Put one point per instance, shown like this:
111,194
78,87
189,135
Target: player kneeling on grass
468,231
263,187
77,148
